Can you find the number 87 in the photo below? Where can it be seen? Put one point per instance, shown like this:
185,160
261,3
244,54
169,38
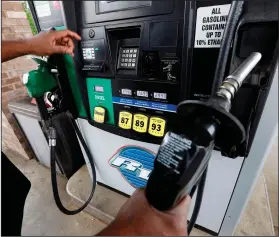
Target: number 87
124,120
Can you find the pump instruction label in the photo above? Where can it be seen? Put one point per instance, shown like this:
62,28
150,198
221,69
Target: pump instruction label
173,151
210,25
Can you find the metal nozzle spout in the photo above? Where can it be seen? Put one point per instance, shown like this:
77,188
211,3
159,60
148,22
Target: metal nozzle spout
234,81
245,68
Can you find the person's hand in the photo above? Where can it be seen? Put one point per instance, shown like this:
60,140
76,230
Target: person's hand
138,217
53,42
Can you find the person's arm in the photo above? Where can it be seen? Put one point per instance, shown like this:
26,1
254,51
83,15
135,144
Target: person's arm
43,44
14,48
137,217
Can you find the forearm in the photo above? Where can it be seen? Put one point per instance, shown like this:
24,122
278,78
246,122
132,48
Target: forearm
15,48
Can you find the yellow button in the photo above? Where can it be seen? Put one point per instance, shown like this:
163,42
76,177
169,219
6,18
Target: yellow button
125,120
157,126
140,122
99,114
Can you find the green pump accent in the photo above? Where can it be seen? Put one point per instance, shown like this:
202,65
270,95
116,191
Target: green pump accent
103,99
39,81
69,65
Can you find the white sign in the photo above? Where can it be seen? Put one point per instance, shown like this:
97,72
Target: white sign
99,89
142,93
160,95
210,25
42,8
126,92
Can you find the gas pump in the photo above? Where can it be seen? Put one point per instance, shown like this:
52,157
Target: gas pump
148,73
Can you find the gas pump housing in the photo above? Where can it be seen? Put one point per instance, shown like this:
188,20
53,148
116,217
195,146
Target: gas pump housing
137,60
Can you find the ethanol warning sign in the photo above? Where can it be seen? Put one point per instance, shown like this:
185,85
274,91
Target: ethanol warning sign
210,25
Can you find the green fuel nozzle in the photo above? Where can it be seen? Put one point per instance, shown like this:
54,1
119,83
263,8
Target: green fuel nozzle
41,80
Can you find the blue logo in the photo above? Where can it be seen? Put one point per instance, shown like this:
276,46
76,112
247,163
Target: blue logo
134,163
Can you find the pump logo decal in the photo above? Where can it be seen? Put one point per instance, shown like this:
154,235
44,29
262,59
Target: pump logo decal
134,163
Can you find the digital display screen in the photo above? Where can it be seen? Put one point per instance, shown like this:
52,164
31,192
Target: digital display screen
88,53
99,89
108,6
142,94
93,50
126,92
162,96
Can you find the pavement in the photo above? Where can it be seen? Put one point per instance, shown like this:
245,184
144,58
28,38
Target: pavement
270,172
41,215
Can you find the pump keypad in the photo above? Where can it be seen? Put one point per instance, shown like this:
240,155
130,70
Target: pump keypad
128,58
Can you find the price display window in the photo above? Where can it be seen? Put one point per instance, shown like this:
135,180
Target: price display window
160,96
143,94
126,92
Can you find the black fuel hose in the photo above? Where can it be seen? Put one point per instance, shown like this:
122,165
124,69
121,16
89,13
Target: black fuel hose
191,194
198,202
52,141
233,18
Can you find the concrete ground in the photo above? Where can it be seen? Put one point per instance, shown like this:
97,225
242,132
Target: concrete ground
270,173
42,217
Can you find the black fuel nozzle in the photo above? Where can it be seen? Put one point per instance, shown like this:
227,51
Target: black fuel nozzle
180,162
185,151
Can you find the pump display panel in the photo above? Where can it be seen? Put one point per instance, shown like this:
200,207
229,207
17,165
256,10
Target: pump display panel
137,52
109,6
137,61
102,11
